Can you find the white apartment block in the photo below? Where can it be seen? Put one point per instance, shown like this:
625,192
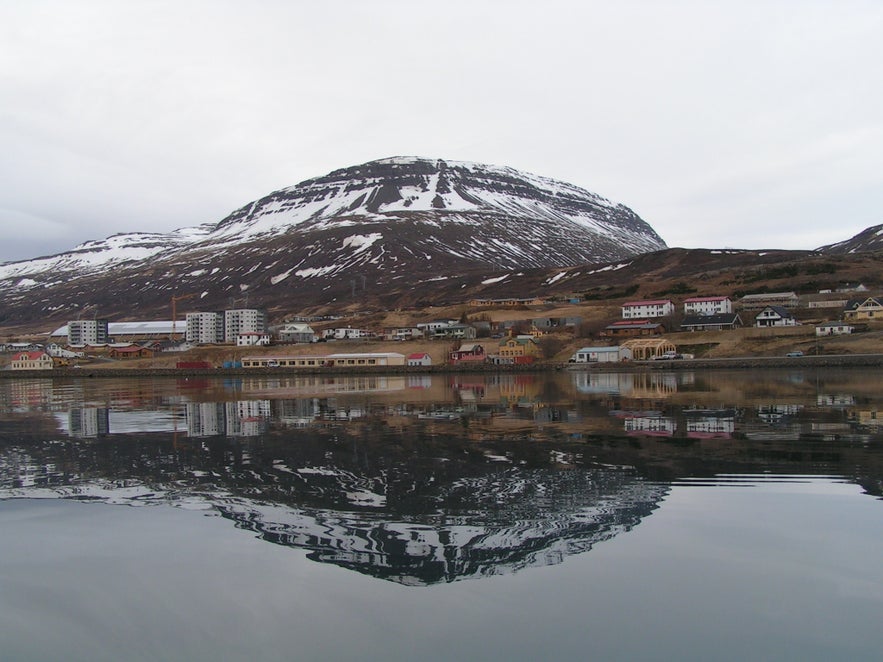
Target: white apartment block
205,328
243,320
87,332
708,306
647,309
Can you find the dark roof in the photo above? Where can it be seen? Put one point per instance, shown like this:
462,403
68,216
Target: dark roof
633,324
853,304
712,320
780,310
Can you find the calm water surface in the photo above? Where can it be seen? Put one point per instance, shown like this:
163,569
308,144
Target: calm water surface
581,515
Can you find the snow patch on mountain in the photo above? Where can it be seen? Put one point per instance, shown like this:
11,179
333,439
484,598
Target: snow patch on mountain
361,242
497,279
381,224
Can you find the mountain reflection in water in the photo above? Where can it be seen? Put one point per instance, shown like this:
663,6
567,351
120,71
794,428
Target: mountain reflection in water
421,480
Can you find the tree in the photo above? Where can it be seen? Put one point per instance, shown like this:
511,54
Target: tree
550,345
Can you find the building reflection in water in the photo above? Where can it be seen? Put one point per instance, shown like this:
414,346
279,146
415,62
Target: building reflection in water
89,422
421,479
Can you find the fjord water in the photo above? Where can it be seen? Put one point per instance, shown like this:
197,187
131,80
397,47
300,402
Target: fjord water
577,515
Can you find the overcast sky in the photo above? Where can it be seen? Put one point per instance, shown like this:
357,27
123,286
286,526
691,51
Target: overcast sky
722,124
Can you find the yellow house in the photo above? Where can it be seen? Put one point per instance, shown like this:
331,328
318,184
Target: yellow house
31,361
864,309
515,347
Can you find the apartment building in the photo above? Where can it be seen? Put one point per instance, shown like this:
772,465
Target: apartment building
204,328
87,332
243,320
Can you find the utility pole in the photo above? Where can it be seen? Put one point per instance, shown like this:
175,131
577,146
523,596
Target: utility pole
175,300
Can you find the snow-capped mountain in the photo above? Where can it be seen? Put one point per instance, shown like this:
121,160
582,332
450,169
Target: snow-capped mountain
378,228
870,239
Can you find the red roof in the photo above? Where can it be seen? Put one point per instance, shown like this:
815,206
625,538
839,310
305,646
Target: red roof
654,302
131,349
631,322
422,355
30,356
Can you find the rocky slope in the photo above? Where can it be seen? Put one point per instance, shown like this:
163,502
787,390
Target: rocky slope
393,225
865,241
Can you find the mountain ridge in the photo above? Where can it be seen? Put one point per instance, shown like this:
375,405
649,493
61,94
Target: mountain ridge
869,239
406,232
386,222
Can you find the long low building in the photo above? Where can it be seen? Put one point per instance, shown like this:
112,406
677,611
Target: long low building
611,354
711,322
325,361
135,330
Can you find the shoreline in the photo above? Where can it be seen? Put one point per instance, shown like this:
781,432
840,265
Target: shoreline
735,363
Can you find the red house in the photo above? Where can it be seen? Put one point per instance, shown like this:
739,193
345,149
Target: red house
468,352
631,328
131,352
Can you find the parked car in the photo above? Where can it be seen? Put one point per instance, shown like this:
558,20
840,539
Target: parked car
792,355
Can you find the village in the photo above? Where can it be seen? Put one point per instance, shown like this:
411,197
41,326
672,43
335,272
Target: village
496,332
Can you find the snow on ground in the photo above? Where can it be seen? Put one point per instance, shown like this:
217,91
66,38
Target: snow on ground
361,242
280,277
609,267
556,278
319,205
312,271
491,281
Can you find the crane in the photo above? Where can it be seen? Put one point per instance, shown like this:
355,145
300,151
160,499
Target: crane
92,306
175,300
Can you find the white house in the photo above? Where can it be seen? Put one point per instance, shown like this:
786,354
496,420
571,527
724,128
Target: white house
775,316
345,334
252,339
435,325
296,332
461,331
647,309
833,329
405,333
57,351
708,306
21,347
420,358
612,354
